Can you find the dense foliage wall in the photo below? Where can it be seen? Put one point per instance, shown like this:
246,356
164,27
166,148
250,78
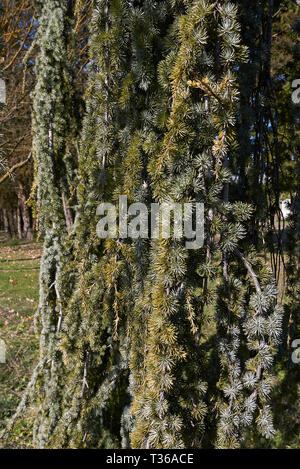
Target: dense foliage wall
145,343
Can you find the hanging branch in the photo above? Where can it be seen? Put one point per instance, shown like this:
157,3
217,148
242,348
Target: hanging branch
14,168
250,270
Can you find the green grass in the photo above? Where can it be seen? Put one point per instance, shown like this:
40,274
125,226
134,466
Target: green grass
19,272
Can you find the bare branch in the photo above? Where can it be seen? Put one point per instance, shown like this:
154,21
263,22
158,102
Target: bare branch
14,168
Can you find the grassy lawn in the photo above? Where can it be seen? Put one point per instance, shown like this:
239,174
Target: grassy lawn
19,272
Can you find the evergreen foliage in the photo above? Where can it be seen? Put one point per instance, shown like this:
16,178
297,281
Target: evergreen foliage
53,123
145,343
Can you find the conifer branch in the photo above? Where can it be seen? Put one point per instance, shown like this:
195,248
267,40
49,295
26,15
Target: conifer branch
250,270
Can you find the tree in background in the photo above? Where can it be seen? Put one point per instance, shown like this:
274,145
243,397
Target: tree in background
18,24
18,29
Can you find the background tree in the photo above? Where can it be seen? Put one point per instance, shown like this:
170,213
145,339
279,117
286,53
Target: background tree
19,26
18,30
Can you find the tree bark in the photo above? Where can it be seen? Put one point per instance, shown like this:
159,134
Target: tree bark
5,220
25,213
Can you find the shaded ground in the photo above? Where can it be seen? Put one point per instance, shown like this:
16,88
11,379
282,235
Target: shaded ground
19,272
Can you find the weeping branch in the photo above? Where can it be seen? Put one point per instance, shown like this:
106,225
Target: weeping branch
250,270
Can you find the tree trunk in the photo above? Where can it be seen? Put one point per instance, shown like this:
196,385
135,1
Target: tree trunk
19,223
11,223
68,213
25,213
5,220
